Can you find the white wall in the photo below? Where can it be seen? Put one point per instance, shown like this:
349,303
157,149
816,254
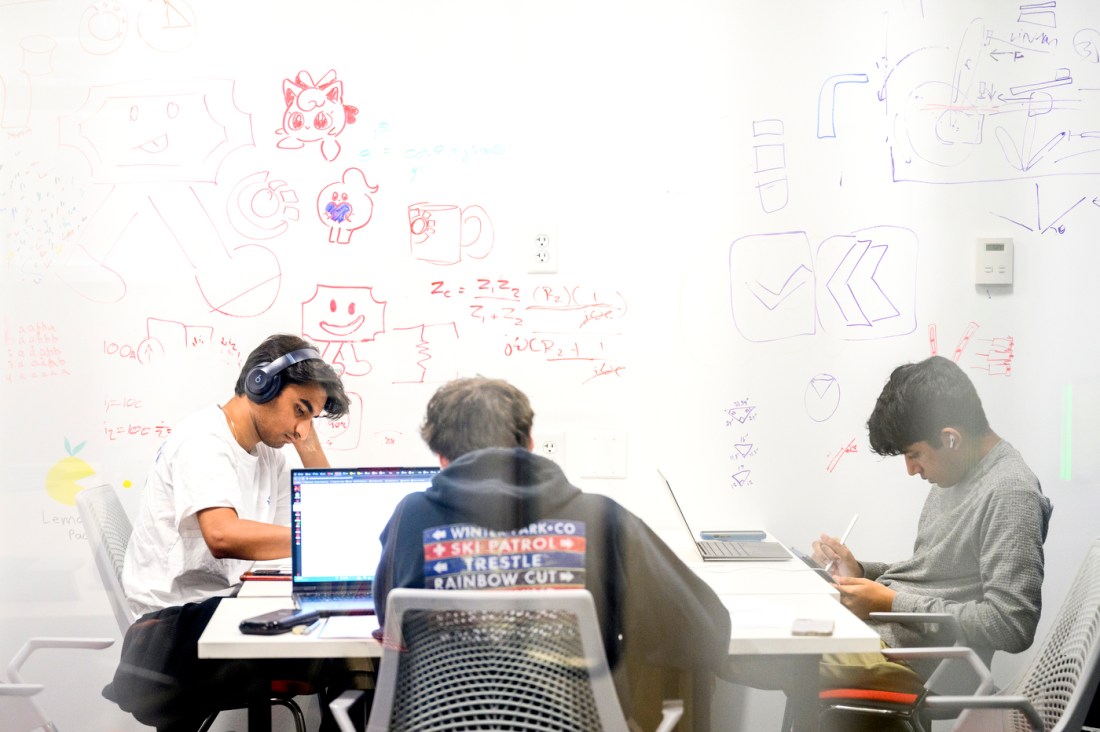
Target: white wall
709,172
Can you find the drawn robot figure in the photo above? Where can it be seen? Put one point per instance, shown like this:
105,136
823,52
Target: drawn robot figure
315,111
156,145
346,206
342,318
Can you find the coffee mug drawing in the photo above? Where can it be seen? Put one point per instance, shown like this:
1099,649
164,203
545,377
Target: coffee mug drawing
442,233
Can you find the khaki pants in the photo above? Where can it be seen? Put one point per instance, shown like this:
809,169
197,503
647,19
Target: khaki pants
868,671
837,671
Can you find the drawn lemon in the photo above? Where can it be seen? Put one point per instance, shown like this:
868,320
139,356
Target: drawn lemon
61,480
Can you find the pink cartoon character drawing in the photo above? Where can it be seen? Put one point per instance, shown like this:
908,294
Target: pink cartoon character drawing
346,206
315,111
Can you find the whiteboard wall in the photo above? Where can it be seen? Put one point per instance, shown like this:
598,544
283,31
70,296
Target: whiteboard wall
756,211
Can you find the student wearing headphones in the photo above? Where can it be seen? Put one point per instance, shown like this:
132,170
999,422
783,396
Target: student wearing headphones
216,499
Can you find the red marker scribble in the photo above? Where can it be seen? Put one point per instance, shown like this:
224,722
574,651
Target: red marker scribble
851,447
971,329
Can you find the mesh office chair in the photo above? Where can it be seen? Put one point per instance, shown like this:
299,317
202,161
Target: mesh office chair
108,529
891,710
18,710
1054,691
476,660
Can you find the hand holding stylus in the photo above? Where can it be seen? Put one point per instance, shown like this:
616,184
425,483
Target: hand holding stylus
843,541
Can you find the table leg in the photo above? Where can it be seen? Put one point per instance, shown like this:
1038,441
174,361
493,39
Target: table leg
802,695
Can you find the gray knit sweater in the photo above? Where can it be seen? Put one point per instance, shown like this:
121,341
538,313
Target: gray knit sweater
978,555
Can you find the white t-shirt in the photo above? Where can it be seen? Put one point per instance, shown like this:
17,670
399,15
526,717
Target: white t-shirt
199,466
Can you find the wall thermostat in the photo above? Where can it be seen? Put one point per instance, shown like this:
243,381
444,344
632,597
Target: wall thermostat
993,262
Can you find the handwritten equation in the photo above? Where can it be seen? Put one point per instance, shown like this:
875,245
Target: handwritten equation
420,155
122,430
741,414
123,420
551,323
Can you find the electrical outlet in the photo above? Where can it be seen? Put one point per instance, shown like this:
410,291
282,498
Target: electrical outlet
551,445
542,250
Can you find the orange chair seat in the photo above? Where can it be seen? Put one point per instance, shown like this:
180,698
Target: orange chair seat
891,697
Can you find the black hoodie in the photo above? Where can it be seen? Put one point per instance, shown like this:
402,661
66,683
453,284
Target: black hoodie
504,517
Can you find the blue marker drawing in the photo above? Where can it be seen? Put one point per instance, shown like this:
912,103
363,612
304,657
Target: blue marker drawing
826,102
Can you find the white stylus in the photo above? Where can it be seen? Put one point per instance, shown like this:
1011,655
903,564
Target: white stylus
843,539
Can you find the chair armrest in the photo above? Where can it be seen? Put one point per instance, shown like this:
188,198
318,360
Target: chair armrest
340,706
959,653
896,617
947,620
960,703
33,644
19,689
671,711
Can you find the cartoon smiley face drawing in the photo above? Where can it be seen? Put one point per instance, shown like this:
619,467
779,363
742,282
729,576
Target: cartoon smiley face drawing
342,318
346,206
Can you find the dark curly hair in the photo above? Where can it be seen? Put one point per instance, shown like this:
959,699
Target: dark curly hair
919,401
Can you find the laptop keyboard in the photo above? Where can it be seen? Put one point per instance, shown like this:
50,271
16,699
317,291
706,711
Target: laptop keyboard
743,549
723,549
337,596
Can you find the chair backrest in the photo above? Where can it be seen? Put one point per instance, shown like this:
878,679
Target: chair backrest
478,660
108,529
1062,676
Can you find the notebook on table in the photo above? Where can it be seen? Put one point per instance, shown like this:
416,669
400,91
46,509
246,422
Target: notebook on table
336,517
729,551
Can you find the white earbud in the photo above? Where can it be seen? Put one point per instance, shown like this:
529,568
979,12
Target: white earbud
951,441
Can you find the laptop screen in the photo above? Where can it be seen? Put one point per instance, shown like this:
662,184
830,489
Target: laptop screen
683,517
337,515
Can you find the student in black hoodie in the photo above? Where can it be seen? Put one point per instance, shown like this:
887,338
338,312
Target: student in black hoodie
499,516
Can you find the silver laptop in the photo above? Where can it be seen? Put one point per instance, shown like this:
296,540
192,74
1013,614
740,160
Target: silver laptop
730,551
337,515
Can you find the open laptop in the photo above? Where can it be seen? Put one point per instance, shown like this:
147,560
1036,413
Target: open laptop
730,551
337,515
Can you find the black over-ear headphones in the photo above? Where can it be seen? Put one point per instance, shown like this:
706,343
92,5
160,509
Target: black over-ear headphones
263,382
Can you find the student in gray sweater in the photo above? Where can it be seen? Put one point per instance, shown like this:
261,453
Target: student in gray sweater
978,553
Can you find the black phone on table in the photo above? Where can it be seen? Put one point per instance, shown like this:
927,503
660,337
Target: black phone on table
278,621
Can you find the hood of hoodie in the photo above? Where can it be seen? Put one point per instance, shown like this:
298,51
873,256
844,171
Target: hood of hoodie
502,489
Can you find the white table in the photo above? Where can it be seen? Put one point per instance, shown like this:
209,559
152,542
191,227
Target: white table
784,577
762,597
760,624
223,638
